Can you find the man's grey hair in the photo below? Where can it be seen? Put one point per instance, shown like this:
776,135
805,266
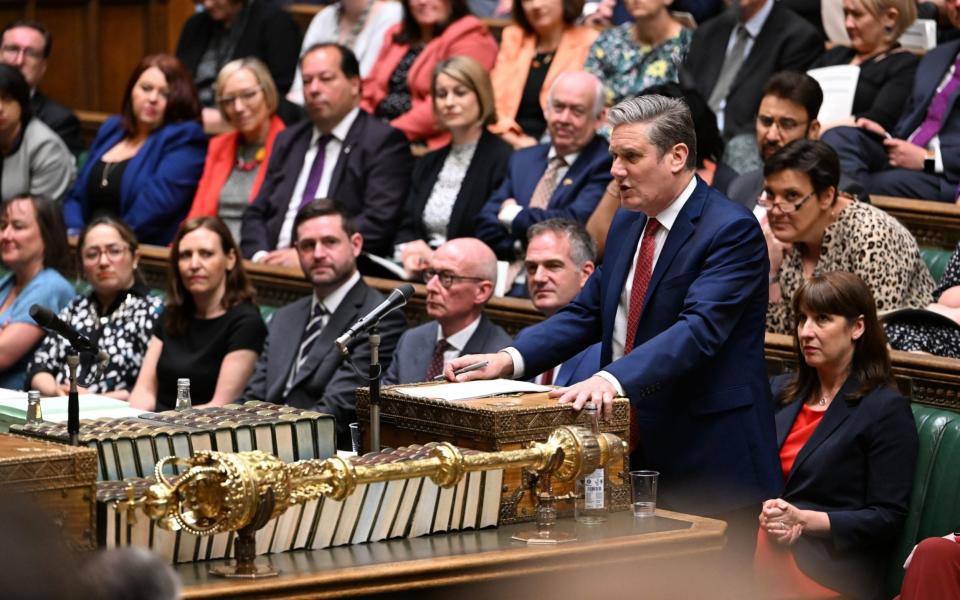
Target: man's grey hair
669,119
598,94
582,246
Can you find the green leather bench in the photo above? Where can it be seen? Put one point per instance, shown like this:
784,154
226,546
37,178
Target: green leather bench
935,502
936,260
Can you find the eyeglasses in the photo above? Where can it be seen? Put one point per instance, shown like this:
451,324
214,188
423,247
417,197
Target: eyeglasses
11,51
785,124
447,278
785,207
113,253
246,97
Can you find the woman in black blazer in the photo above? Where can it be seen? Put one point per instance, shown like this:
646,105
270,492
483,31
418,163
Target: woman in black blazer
450,185
848,447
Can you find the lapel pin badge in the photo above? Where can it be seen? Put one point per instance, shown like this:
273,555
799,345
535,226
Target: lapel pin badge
567,181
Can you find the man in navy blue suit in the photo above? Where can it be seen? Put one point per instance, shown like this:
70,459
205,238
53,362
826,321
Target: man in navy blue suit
680,317
560,258
563,179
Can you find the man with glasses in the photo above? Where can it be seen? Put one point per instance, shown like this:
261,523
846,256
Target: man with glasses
26,45
300,366
340,152
788,111
460,281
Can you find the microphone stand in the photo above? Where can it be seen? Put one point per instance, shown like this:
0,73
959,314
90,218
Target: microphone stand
73,399
375,370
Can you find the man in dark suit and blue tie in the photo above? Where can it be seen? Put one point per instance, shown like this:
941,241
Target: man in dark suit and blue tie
679,308
340,152
460,281
920,157
560,258
299,365
563,179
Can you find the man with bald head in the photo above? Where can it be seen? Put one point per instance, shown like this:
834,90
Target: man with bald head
460,281
563,179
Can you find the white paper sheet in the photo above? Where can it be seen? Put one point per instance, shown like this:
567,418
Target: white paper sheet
468,390
839,84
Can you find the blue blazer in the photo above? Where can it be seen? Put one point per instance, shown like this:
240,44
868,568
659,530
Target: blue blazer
930,72
158,183
857,467
696,378
575,198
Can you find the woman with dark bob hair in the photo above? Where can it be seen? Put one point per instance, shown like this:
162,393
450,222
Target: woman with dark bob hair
211,331
118,314
398,87
33,248
814,230
145,163
848,448
544,42
35,161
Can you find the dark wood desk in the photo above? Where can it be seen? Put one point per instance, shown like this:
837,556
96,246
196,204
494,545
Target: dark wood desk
473,564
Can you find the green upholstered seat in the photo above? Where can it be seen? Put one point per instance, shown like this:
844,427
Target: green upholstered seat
935,503
936,259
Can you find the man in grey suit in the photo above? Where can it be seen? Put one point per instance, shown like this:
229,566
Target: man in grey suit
460,281
300,366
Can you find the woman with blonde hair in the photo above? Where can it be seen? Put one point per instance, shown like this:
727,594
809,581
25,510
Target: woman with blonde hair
450,185
886,69
237,161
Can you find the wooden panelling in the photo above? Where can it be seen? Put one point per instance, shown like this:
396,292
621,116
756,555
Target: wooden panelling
935,224
98,42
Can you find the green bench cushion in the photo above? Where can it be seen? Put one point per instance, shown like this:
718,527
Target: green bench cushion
935,502
936,260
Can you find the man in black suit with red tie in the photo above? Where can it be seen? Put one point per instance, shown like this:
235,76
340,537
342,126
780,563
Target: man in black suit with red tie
341,152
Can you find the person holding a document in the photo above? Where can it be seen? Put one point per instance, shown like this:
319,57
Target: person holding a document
678,306
885,69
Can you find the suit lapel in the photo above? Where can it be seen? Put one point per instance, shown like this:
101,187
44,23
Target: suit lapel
717,50
477,341
765,39
930,77
531,171
617,279
422,354
577,171
475,172
683,228
345,315
785,419
836,414
353,134
283,354
294,163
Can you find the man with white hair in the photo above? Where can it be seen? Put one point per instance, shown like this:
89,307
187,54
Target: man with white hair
460,281
563,179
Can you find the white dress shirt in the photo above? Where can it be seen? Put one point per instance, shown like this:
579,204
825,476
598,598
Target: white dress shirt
458,340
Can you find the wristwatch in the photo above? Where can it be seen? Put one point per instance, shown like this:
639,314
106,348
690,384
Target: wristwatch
930,162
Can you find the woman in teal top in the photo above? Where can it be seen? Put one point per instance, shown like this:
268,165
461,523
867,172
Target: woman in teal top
634,56
33,248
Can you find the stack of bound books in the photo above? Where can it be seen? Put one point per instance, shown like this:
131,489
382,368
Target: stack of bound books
131,446
373,512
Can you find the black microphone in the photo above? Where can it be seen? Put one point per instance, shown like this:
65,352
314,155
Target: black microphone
46,319
396,299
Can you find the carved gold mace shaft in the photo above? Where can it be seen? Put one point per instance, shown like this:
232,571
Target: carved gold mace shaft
222,491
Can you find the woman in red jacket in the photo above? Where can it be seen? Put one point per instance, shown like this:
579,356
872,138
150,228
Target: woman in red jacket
237,160
398,87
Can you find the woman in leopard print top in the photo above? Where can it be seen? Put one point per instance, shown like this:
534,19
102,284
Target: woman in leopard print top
118,315
815,231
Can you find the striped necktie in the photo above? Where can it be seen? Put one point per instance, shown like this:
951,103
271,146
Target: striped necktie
310,335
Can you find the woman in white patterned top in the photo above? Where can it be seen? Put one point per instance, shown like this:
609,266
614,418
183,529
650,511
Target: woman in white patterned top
450,185
118,315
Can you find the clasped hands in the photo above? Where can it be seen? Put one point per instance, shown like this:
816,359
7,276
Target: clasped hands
782,521
900,153
596,389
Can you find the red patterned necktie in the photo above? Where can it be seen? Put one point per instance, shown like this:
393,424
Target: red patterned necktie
436,361
641,281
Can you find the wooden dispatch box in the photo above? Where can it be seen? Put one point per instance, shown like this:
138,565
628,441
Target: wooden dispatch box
62,480
495,423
